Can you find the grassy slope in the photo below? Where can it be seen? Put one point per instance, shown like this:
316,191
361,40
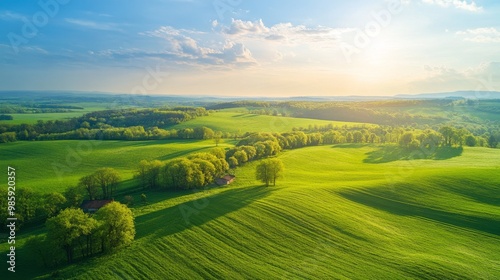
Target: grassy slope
232,121
54,165
332,216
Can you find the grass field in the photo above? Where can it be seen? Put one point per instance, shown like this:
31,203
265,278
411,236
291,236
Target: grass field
335,215
33,118
48,166
234,122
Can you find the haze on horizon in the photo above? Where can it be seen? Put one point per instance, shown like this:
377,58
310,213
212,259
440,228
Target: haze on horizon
249,48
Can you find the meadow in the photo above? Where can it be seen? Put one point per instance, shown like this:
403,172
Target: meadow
333,215
241,121
33,118
48,166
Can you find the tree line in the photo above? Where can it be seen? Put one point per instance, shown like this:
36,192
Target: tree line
196,170
109,124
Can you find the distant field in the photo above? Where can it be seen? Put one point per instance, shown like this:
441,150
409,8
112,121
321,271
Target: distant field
33,118
48,166
335,215
234,121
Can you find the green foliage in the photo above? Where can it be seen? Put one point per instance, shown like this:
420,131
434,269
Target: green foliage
53,203
269,170
116,227
69,228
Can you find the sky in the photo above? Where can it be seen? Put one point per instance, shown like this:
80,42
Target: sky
251,47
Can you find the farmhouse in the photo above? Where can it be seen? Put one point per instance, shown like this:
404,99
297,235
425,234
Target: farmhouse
91,206
226,180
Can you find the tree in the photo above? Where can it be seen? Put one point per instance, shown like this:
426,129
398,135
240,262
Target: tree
232,161
217,138
406,139
107,179
447,132
74,196
492,141
89,184
68,228
116,225
154,171
53,203
241,156
250,151
142,173
207,168
27,202
218,152
349,137
183,174
357,137
470,141
269,170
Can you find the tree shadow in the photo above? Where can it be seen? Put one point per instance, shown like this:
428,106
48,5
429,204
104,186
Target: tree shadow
403,208
181,153
197,212
349,146
392,153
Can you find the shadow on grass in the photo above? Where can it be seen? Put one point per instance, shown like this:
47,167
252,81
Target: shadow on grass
394,153
181,153
349,146
480,192
197,212
402,208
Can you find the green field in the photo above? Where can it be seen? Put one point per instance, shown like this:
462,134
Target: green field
33,118
241,122
75,113
335,215
48,166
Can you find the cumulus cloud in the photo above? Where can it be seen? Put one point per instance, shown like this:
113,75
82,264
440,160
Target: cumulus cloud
185,47
239,27
481,35
285,32
458,4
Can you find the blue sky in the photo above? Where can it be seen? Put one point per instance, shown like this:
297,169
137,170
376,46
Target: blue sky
249,48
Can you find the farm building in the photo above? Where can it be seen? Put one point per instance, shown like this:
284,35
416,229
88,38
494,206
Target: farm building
226,180
91,206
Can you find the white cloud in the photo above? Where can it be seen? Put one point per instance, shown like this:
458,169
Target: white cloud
239,27
481,35
286,32
458,4
9,16
188,47
93,24
484,77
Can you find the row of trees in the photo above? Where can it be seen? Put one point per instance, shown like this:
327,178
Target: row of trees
126,124
197,170
132,133
74,234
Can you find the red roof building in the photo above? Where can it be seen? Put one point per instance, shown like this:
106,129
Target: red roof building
91,206
226,180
